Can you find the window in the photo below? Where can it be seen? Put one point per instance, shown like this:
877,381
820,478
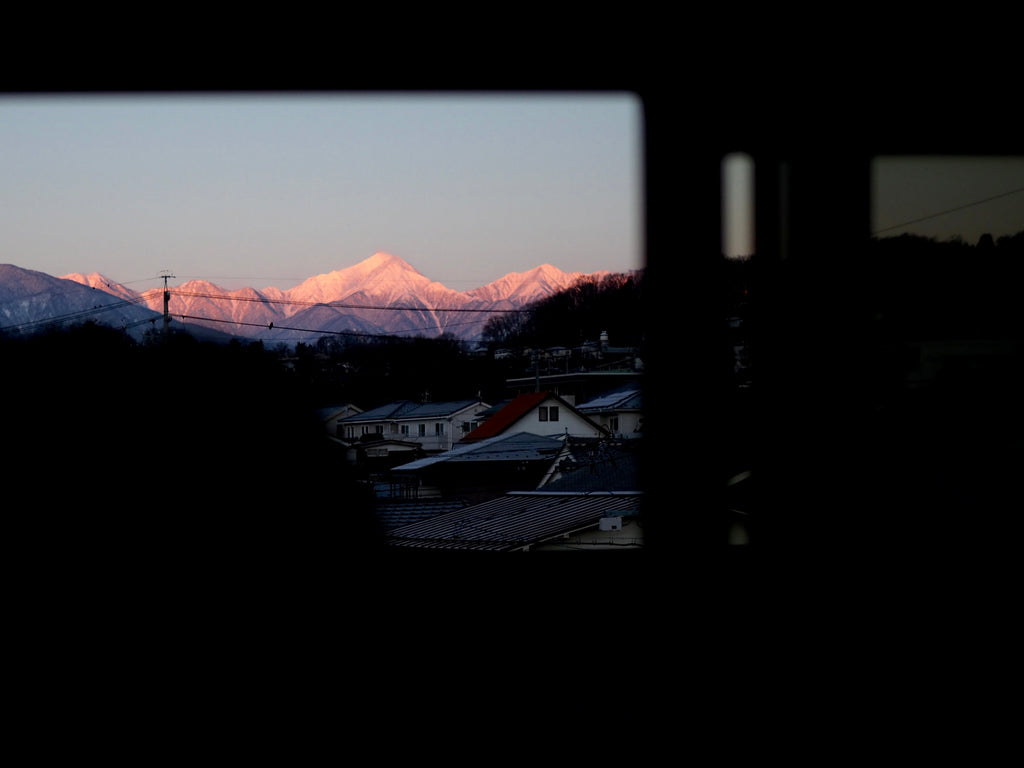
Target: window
422,430
737,205
405,429
548,413
439,428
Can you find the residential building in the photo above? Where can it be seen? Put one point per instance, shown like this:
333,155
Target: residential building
538,413
619,411
433,426
587,499
374,454
481,469
574,386
332,416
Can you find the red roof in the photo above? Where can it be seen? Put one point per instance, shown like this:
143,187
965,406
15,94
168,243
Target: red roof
510,414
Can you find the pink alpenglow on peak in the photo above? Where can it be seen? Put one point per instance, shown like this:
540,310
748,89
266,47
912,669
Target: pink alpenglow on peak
382,294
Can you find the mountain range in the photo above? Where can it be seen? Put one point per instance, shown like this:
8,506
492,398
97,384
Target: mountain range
382,294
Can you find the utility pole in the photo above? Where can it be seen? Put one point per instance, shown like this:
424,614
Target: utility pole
166,275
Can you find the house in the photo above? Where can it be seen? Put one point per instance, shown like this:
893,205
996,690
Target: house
538,413
331,417
525,520
574,386
392,514
375,454
433,426
619,410
481,469
587,498
595,465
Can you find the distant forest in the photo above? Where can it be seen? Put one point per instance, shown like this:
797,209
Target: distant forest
580,313
188,379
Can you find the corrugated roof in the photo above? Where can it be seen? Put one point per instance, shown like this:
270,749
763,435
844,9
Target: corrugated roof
397,514
513,521
520,446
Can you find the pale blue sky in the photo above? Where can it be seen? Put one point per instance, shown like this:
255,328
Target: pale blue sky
269,189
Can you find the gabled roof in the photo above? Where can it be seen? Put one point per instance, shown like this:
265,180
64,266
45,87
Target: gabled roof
514,520
516,409
331,411
409,409
596,465
382,412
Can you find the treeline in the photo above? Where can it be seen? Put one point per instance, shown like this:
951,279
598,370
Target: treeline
374,371
922,286
186,397
101,408
612,303
184,456
912,285
370,371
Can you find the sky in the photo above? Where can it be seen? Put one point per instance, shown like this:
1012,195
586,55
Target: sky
937,196
948,196
269,189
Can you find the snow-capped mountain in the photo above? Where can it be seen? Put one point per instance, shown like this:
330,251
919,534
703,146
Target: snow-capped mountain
31,301
519,288
382,294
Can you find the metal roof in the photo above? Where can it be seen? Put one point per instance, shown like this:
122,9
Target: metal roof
598,466
519,446
628,397
514,520
409,409
397,514
389,411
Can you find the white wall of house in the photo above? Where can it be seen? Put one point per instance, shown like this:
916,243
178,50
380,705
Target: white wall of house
623,424
553,418
433,434
615,533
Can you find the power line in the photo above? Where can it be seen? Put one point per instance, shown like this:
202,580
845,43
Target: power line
323,332
81,314
950,210
339,304
144,298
